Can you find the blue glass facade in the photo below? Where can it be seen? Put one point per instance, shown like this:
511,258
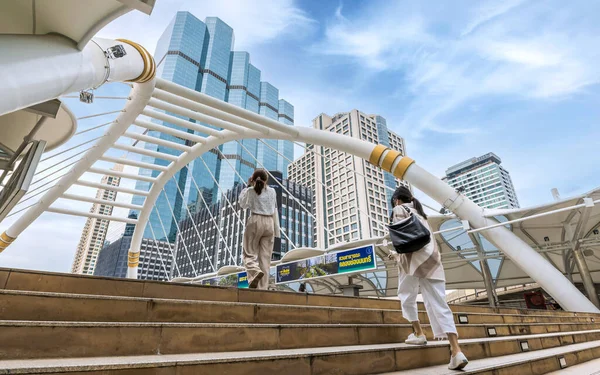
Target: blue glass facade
384,139
268,107
180,47
286,148
199,55
244,84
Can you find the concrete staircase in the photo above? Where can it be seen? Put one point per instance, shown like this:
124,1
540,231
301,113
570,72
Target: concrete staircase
61,323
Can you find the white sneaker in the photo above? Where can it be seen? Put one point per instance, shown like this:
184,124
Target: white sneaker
416,340
458,362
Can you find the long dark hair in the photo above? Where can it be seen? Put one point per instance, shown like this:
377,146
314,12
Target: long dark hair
403,194
260,178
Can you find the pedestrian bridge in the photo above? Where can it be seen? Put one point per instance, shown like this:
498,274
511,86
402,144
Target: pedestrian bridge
553,245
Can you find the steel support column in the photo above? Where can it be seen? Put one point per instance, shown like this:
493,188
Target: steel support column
575,236
485,271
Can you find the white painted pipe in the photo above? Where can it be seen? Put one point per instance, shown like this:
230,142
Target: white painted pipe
179,122
112,172
155,140
119,189
133,163
66,211
143,151
166,130
83,198
37,68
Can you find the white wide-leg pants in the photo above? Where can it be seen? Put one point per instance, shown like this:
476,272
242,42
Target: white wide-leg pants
434,297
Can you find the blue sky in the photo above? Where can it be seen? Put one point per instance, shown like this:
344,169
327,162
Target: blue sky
455,79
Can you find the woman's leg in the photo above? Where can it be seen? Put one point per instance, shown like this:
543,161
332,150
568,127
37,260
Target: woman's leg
251,248
265,250
440,315
417,329
454,347
408,289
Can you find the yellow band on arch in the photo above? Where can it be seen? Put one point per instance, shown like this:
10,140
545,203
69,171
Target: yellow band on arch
389,159
149,70
133,259
376,154
402,167
5,240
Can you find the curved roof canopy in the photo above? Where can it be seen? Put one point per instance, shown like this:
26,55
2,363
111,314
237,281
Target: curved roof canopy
552,235
78,20
55,131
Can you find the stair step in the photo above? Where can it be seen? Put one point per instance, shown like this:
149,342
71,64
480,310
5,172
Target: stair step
538,362
21,305
586,368
349,360
35,281
23,339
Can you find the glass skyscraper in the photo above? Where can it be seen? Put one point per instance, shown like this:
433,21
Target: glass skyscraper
199,55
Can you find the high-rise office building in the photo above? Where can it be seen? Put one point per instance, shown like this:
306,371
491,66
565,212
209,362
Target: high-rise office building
202,245
484,181
200,56
94,230
348,205
156,257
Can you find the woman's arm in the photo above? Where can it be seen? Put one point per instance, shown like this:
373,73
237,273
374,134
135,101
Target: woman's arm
244,198
276,227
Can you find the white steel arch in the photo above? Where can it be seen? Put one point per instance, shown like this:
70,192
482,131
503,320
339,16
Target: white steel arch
238,124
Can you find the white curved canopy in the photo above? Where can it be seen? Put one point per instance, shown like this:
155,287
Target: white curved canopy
78,20
226,270
55,131
547,234
301,253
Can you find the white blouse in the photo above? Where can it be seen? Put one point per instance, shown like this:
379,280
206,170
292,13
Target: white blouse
263,204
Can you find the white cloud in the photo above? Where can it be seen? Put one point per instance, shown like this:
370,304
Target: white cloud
486,12
253,22
500,51
375,39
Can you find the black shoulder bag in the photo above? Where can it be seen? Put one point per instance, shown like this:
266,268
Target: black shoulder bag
409,235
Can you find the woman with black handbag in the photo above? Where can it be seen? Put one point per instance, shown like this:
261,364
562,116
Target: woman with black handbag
420,267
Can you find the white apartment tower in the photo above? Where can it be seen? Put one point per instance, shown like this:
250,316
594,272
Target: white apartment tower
94,231
350,205
484,181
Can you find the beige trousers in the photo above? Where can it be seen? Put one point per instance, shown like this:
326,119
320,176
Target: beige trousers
259,237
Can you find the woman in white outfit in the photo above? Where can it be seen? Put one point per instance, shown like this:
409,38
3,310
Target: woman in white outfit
261,228
423,270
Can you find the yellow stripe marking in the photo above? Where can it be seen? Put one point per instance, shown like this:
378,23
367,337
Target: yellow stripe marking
402,167
149,70
376,154
389,160
6,238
